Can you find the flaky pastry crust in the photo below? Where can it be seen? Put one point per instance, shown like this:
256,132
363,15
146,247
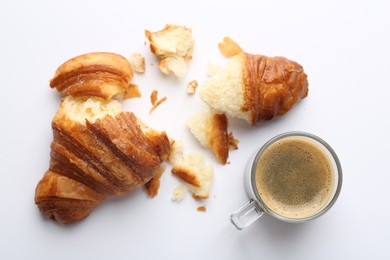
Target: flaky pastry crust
272,86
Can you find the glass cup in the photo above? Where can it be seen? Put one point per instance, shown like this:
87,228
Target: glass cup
256,207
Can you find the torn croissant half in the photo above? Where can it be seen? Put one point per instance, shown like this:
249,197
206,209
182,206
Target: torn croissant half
97,151
98,74
255,87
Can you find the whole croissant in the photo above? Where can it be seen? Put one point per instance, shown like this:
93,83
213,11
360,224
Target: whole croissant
97,150
256,87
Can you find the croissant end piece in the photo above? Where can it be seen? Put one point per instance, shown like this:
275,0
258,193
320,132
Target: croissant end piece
65,200
256,87
98,74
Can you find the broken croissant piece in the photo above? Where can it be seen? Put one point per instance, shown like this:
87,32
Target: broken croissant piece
98,74
210,129
97,151
229,47
255,87
137,62
191,87
195,174
173,45
192,170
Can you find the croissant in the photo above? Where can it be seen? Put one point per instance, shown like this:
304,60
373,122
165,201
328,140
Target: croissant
97,74
256,87
97,151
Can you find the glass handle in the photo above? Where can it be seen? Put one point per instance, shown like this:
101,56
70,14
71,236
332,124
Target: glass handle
246,215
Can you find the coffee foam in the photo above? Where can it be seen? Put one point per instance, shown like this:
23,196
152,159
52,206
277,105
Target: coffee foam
294,177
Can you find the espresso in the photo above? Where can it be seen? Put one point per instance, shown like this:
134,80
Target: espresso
294,177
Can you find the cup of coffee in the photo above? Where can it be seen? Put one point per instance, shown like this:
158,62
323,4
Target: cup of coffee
294,177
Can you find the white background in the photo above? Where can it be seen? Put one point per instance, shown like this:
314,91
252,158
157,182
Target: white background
342,45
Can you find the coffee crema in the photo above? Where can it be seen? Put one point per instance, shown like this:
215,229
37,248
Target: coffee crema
294,177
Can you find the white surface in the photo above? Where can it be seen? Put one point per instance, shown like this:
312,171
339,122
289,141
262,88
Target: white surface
344,48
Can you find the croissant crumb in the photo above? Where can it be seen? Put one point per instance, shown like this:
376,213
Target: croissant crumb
229,48
191,169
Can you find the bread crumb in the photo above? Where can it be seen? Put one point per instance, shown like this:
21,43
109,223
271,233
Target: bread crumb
179,193
153,100
191,87
173,45
132,91
153,97
229,48
153,185
137,62
201,208
195,174
157,104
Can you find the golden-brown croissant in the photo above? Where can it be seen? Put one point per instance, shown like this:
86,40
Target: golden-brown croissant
97,151
97,74
256,87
